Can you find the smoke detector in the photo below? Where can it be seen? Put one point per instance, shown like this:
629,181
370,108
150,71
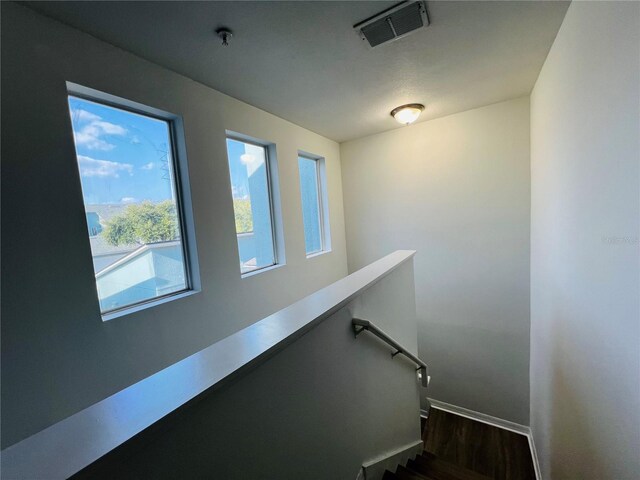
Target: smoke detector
224,34
393,23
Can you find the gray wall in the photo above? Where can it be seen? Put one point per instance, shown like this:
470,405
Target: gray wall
316,410
57,355
456,190
585,316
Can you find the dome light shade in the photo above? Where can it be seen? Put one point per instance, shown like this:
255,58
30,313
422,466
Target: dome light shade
407,114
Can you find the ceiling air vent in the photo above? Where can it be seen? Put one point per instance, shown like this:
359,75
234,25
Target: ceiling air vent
393,23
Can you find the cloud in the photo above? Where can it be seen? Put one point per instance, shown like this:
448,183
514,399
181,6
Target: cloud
239,192
81,115
90,167
148,166
247,158
109,128
128,200
92,142
94,128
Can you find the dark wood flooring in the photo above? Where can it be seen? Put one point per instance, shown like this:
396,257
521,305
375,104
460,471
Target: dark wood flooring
491,451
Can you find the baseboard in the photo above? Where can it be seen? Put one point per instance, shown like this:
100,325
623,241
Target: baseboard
374,469
490,420
480,417
534,456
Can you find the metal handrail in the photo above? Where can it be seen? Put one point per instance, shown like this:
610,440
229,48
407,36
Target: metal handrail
360,325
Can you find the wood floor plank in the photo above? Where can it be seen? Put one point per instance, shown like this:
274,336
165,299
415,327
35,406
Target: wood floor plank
497,453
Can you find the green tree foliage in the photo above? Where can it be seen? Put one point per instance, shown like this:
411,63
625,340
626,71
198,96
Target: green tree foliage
144,223
244,218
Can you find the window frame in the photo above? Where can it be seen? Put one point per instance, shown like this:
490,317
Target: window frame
323,204
271,171
181,187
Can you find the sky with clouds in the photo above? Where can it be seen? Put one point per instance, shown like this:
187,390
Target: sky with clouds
122,156
244,160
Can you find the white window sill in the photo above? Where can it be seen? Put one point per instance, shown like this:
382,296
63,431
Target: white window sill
317,254
152,303
262,270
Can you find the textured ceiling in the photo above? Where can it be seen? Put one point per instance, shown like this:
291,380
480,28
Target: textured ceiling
303,62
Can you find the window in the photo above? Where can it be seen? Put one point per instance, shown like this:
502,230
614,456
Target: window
314,210
128,174
251,188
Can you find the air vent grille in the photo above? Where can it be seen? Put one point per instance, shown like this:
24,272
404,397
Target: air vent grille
393,23
378,32
407,19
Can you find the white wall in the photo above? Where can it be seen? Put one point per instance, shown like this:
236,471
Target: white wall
57,355
456,190
585,316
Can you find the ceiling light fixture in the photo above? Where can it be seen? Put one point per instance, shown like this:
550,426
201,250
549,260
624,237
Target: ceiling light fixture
407,114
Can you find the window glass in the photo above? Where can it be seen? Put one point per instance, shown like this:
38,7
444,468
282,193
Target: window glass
127,172
250,187
311,204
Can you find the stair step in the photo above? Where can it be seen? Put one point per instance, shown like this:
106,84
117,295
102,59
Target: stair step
428,470
389,476
440,469
403,473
